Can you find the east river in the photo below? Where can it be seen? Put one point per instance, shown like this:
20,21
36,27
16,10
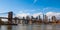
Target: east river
30,27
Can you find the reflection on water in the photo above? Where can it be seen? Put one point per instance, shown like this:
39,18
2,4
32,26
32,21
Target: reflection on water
30,27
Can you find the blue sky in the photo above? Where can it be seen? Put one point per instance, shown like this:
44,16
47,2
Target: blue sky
30,6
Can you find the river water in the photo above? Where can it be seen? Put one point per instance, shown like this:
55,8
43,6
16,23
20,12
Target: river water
31,27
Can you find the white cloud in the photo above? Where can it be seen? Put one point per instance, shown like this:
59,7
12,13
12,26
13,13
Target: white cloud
49,8
36,14
28,14
24,14
4,19
50,14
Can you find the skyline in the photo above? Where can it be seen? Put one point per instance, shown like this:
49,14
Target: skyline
31,7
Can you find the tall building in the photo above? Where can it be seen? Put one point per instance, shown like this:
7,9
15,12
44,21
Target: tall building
32,17
53,19
36,18
23,18
0,21
45,19
27,17
39,17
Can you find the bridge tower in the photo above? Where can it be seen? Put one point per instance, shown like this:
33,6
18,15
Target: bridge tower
10,16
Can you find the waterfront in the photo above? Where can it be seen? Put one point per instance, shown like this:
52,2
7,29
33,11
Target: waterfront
31,27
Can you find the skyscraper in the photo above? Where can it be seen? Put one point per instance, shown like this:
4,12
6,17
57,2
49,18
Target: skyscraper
45,19
53,19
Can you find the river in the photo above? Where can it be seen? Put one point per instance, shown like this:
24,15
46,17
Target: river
31,27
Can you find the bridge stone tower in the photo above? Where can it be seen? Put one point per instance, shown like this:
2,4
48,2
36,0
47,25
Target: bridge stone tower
10,16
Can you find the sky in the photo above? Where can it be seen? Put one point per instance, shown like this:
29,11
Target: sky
31,7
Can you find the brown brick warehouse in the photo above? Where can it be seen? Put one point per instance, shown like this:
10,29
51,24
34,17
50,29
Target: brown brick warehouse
29,20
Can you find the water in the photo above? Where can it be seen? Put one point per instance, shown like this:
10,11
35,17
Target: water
30,27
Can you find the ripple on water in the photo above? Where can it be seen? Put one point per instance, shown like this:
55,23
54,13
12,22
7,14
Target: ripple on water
32,27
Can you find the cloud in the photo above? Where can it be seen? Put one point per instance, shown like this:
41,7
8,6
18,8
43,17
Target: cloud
4,19
36,14
51,8
50,14
23,15
26,13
